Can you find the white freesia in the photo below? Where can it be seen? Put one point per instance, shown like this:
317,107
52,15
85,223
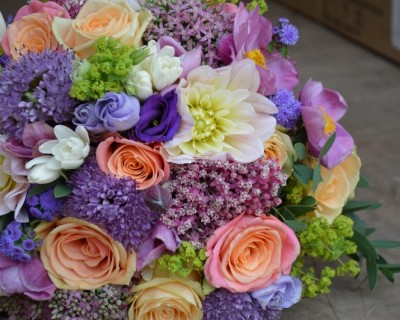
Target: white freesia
139,84
3,26
42,170
165,70
79,68
70,149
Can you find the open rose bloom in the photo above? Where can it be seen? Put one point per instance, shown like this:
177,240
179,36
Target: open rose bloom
159,161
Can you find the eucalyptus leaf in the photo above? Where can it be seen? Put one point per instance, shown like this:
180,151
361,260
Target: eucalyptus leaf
303,173
386,272
317,175
296,225
39,188
327,146
308,201
362,183
61,190
372,269
385,244
299,210
352,206
365,246
300,149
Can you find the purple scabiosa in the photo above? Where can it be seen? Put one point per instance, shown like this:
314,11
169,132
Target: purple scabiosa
107,302
112,203
207,194
44,206
192,23
72,6
20,307
288,108
222,304
36,88
289,34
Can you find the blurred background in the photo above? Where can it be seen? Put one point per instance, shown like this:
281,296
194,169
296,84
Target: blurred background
352,46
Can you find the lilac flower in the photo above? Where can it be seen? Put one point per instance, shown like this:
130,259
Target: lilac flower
289,34
321,109
44,206
112,203
28,244
159,118
85,116
222,304
192,23
207,194
72,6
117,111
288,108
36,88
284,293
14,230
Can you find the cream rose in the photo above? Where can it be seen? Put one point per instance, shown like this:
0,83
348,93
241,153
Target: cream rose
79,255
167,299
337,187
280,148
97,18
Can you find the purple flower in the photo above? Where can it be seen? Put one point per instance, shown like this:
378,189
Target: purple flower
284,293
30,279
44,206
160,240
159,118
321,109
13,231
117,111
85,116
289,34
288,108
28,244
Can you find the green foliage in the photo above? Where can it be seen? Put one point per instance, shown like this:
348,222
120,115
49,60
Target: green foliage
254,3
294,191
184,261
329,243
108,68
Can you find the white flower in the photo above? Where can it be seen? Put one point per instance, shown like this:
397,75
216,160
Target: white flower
165,69
2,26
70,149
79,68
42,170
139,84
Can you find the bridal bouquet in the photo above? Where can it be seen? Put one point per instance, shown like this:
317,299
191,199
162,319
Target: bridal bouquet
160,160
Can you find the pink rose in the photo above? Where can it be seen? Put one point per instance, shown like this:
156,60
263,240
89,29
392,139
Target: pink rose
30,279
249,253
36,6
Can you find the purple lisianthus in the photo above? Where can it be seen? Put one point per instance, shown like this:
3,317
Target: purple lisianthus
284,293
117,111
85,116
321,108
159,118
30,279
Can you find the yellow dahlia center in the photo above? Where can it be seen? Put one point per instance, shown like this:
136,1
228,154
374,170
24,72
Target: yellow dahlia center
329,123
257,57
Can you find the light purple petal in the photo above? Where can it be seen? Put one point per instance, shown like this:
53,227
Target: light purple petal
189,61
35,132
286,75
10,281
169,41
15,148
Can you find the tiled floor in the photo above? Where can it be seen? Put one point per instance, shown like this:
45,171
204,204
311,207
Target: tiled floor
371,86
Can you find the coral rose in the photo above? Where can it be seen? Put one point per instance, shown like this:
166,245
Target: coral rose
165,298
79,256
127,158
336,188
97,18
250,253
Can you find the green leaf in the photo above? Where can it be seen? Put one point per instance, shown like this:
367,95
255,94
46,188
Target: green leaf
365,246
299,210
369,231
296,225
39,188
385,244
362,183
317,175
303,173
359,224
327,146
61,190
372,269
286,214
387,273
352,206
300,149
308,201
395,268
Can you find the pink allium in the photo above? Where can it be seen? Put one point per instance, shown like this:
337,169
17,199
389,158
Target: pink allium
321,109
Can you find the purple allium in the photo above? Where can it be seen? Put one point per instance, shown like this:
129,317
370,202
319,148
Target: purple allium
36,88
289,34
28,244
21,307
44,206
208,194
288,108
112,203
192,23
222,304
107,302
72,6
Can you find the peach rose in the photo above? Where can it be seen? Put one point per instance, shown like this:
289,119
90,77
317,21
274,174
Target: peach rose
79,256
249,253
337,187
109,18
127,158
30,33
165,298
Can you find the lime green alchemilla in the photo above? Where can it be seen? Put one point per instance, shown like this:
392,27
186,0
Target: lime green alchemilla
328,242
107,69
185,260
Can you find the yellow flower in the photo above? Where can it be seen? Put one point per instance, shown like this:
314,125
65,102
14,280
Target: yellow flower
280,148
167,298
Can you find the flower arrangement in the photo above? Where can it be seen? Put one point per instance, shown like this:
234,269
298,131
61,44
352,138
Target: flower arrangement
160,160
